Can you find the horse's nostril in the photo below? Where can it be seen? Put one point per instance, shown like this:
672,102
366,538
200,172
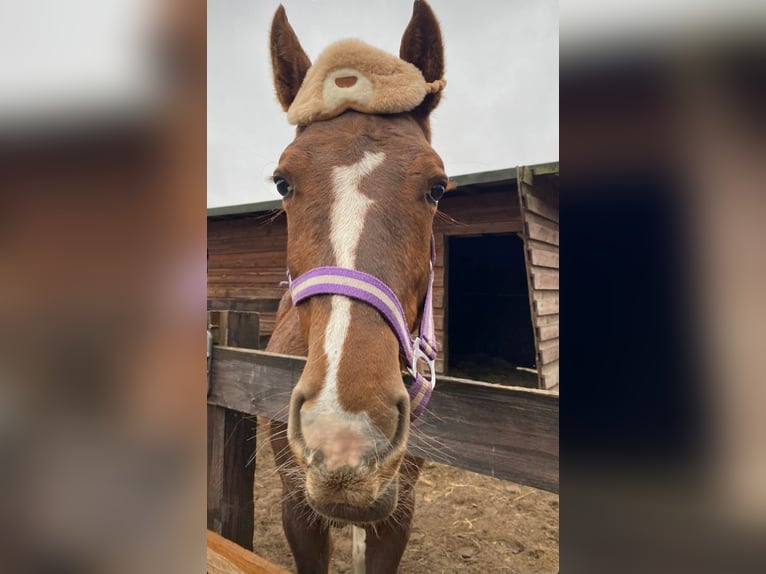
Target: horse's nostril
403,406
402,425
298,402
315,456
294,423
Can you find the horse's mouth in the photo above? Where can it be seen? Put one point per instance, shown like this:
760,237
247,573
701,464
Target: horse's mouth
380,509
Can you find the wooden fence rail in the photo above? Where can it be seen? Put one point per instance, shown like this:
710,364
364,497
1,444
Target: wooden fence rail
506,432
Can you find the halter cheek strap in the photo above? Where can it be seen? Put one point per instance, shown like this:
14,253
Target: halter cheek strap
371,290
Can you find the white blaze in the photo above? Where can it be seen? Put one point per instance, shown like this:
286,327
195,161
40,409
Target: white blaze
347,217
349,210
358,549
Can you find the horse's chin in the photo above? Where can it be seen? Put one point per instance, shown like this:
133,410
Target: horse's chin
341,514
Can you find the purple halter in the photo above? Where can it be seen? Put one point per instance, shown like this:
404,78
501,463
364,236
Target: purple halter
371,290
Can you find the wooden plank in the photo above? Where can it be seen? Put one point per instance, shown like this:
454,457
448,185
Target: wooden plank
254,382
482,229
525,176
543,278
540,233
545,295
259,305
267,328
544,258
249,260
216,438
545,168
551,381
226,557
543,320
550,374
549,351
507,432
534,218
221,292
541,246
439,260
233,242
548,332
233,277
222,251
540,207
223,232
546,306
439,275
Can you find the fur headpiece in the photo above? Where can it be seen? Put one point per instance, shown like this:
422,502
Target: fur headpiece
352,75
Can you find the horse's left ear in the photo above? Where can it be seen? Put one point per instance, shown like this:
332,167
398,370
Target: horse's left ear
422,46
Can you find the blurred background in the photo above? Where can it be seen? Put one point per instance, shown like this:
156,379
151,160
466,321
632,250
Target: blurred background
102,286
662,139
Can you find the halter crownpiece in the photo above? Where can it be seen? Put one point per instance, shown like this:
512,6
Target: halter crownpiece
352,75
371,290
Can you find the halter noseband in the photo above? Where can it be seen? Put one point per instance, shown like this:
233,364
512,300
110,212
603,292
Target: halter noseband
371,290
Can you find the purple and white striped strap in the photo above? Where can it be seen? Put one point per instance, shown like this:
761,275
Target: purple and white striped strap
371,290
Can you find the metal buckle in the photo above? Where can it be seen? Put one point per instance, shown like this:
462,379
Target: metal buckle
417,353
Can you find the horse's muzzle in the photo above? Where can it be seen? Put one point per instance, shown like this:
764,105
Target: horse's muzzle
350,465
380,509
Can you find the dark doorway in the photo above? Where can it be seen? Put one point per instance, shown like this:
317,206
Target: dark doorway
490,328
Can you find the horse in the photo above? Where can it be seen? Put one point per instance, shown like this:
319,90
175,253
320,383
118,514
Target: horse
360,184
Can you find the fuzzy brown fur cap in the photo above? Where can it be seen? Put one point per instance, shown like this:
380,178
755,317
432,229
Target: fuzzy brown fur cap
353,75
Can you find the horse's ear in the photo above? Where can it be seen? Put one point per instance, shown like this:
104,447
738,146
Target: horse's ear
422,46
288,60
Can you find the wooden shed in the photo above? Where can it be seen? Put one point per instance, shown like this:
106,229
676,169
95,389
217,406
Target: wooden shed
496,294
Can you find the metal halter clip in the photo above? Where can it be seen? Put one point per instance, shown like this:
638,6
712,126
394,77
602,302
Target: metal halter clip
417,353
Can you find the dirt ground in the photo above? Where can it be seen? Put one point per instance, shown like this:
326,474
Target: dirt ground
464,522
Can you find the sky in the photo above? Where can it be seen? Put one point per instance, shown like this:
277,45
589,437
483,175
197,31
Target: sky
499,110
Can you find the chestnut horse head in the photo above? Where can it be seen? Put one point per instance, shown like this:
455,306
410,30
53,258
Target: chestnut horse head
360,190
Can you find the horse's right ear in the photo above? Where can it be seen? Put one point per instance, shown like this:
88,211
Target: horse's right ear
288,60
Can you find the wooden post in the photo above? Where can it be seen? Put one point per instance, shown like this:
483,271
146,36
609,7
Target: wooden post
236,329
231,445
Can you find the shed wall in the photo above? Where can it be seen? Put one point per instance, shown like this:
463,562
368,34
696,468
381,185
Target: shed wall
247,259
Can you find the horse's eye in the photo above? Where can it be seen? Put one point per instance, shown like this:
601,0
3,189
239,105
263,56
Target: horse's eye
436,192
283,187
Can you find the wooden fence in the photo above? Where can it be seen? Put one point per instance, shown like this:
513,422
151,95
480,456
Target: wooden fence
505,432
